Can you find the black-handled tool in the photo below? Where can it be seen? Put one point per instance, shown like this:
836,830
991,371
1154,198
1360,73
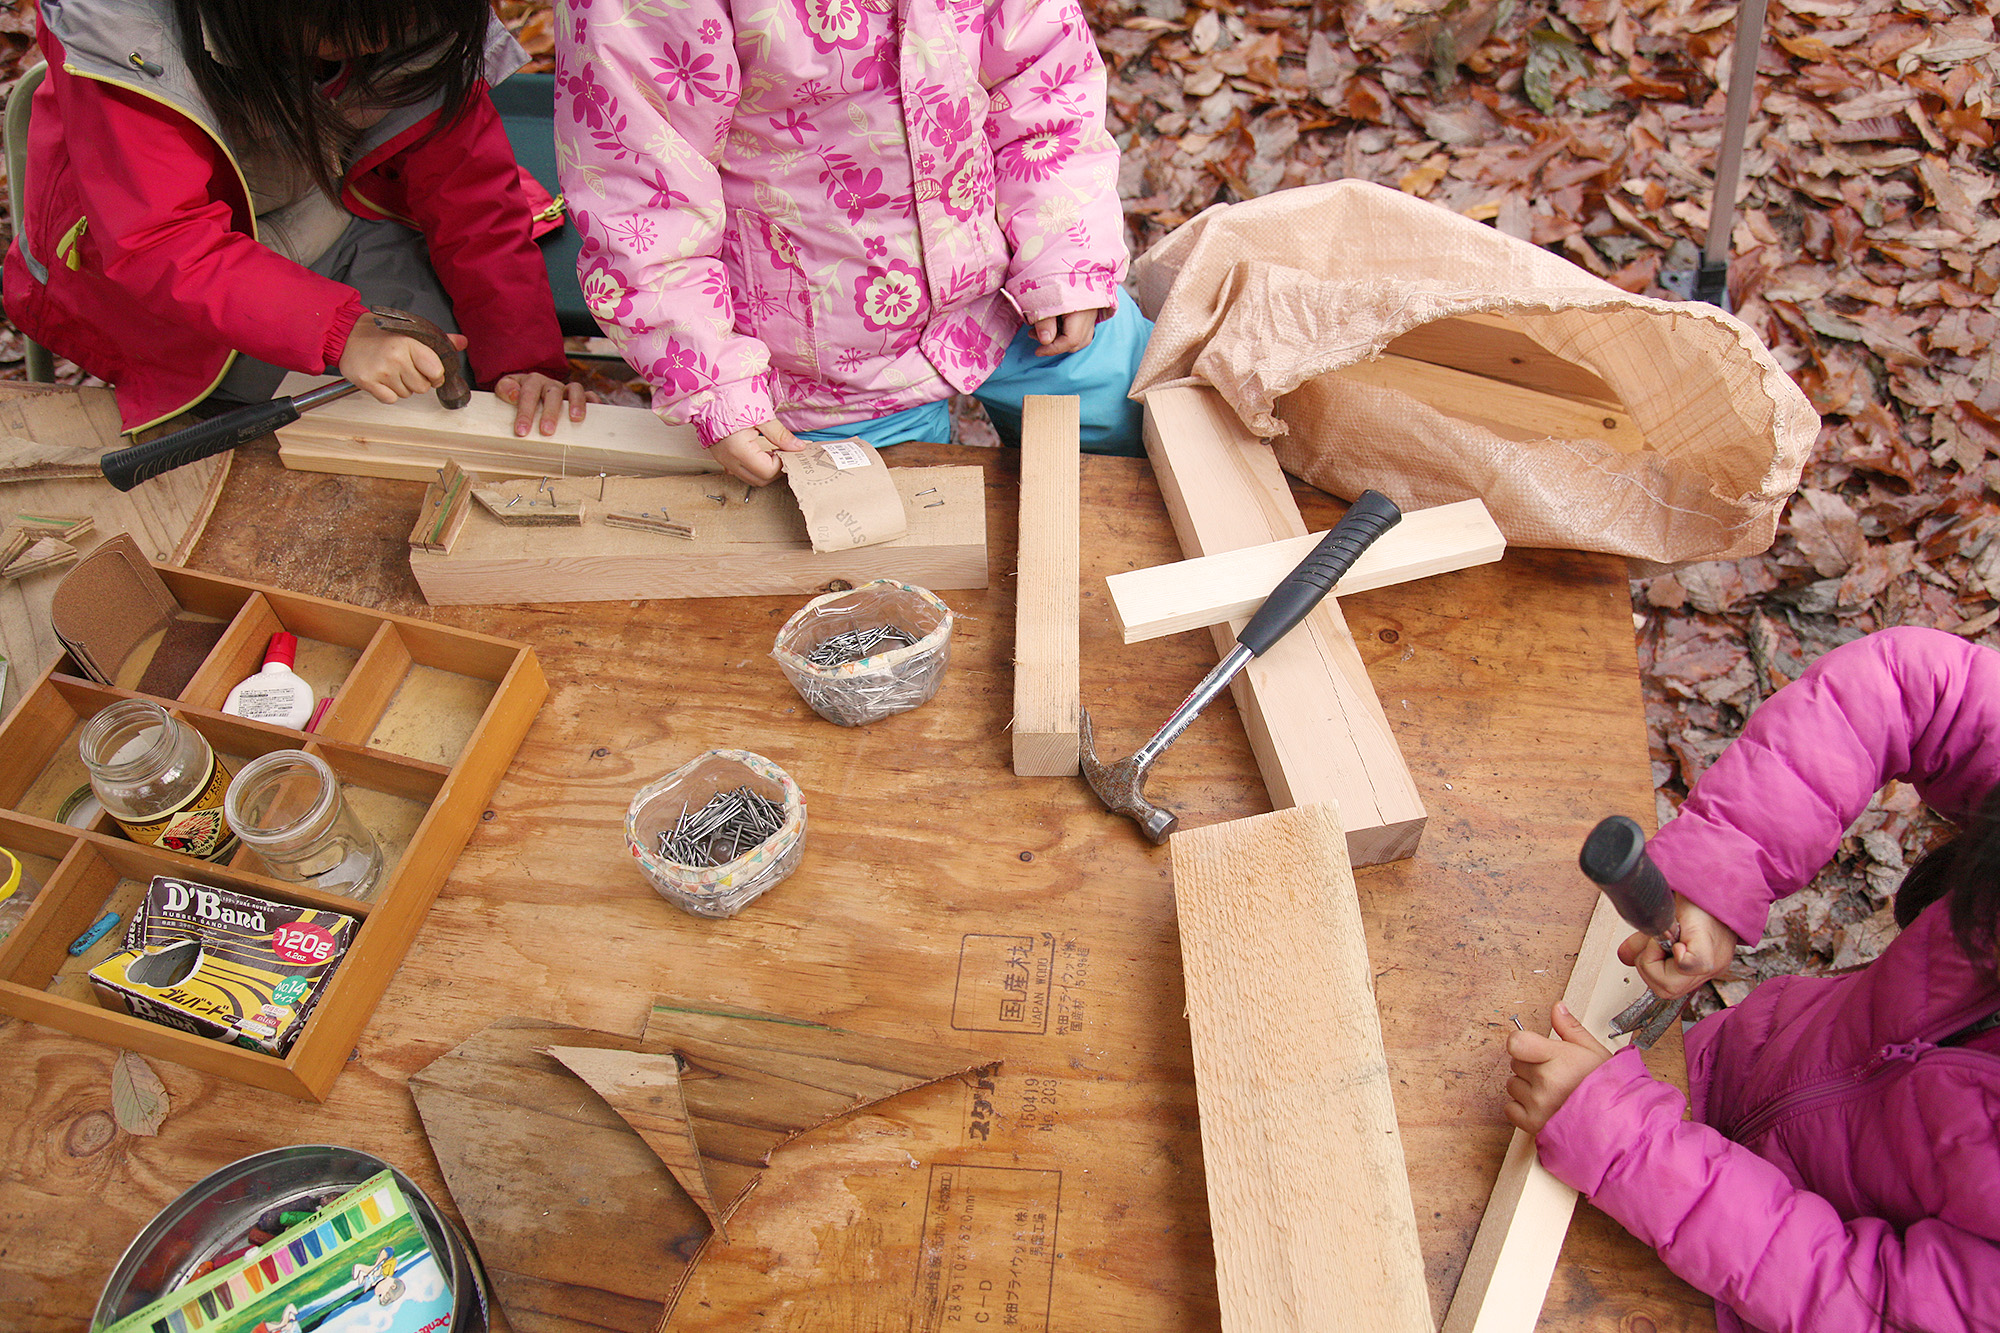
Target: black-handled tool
126,468
1120,785
1614,858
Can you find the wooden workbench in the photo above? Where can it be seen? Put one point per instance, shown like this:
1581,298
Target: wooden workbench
1514,693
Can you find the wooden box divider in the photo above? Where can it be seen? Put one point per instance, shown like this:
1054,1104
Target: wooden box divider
93,864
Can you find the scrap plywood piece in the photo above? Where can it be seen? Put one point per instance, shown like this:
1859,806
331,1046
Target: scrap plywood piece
1315,725
56,434
746,541
645,1089
441,517
1047,640
513,505
412,438
1309,1196
1166,599
1508,410
1513,1257
579,1222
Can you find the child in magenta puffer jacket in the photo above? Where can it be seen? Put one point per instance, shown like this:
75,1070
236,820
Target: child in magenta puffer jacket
1842,1171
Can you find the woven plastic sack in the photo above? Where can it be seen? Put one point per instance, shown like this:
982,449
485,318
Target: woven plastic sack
1264,298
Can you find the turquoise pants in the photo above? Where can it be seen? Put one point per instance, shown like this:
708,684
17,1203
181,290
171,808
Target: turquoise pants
1100,375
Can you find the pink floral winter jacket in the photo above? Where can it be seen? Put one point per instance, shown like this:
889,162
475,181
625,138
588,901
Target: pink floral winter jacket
836,209
1843,1169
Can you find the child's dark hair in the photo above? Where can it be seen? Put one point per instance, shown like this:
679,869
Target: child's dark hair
259,64
1967,870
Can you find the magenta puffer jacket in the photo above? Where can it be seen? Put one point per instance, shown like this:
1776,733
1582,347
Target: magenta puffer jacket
1842,1171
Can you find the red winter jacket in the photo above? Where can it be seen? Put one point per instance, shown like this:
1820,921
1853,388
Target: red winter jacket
137,215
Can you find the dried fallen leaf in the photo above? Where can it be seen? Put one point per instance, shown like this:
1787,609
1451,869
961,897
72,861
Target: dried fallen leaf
138,1098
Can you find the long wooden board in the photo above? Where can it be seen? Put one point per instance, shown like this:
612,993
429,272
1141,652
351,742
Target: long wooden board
1499,349
1210,589
1047,707
1317,728
1508,410
747,542
411,439
1308,1192
1520,1236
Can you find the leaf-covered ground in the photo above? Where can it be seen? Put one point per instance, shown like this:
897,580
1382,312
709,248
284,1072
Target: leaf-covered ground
1866,252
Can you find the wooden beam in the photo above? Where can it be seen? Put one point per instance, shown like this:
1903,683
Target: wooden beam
1508,410
1499,349
411,439
1507,1274
1315,725
1308,1192
1047,649
746,542
1167,599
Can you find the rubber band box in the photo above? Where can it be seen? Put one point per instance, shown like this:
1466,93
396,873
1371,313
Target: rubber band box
224,964
361,1262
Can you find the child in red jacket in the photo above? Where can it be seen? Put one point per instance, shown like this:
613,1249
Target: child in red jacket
217,190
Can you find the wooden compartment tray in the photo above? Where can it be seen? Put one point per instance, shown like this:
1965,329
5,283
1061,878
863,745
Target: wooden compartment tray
424,723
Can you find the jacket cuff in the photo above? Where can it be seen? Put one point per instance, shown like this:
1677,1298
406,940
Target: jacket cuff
1044,299
1714,866
337,333
1602,1118
722,410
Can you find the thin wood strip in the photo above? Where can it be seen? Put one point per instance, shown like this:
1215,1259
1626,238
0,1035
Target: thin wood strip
1309,1194
1208,590
1513,1258
1507,410
1047,646
1494,346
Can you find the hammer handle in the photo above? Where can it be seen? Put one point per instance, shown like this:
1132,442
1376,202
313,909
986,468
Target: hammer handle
126,468
1371,515
1614,857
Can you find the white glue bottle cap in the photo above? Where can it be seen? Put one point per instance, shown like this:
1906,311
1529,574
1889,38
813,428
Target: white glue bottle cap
274,694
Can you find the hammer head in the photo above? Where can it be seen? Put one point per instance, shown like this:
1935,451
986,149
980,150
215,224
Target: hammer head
454,393
1121,787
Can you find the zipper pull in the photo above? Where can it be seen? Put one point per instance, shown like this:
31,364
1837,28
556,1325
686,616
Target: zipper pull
1903,1050
139,62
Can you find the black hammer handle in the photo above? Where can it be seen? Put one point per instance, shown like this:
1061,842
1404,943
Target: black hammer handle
1614,857
1367,518
126,468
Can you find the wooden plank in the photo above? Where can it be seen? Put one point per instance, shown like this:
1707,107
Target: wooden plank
441,516
747,542
644,1088
1521,1234
1499,349
1309,1196
1046,642
1318,730
1508,410
412,438
1191,594
164,515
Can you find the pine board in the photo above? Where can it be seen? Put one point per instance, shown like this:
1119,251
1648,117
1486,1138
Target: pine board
750,542
1047,712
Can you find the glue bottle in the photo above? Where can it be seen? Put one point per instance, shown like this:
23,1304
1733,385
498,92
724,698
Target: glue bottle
17,892
275,694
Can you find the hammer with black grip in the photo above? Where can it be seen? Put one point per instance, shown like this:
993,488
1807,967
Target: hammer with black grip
1614,858
126,468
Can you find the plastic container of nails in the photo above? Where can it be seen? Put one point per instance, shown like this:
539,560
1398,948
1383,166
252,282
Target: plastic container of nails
717,831
864,654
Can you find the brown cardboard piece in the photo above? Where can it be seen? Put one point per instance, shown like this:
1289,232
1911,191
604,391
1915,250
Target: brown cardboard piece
846,494
110,605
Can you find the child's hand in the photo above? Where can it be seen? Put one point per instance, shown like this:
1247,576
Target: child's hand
751,454
535,392
1547,1070
1705,948
391,365
1061,334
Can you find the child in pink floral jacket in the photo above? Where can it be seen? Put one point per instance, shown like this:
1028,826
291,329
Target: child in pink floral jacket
829,215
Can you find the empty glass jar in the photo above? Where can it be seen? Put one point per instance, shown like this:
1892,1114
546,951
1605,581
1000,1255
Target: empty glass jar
287,807
158,778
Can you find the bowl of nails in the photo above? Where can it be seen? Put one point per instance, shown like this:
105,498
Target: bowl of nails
865,653
717,831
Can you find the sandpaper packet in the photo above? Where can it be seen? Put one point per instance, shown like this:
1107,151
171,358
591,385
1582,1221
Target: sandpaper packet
846,494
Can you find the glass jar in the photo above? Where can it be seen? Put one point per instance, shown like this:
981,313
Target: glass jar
158,778
287,807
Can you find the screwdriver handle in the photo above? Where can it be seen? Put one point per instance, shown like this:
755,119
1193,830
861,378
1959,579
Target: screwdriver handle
1614,857
1371,515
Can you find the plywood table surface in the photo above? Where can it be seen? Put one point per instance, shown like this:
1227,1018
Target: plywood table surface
940,899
